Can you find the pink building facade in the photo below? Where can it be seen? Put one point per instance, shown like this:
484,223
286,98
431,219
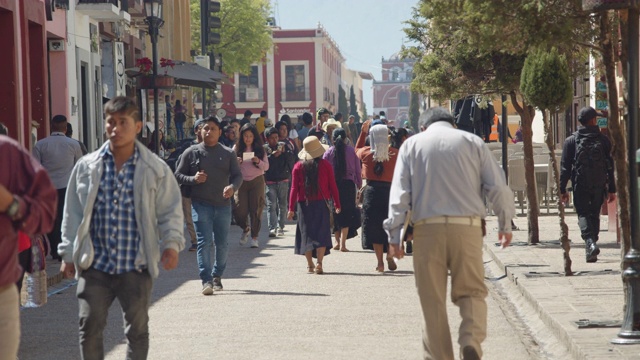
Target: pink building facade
24,94
392,94
301,74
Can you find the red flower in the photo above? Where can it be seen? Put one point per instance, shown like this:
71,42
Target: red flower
145,65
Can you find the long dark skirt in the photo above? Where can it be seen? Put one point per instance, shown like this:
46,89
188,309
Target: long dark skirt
347,217
313,229
375,207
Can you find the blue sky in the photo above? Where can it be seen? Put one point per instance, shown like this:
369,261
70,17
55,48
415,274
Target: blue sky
365,30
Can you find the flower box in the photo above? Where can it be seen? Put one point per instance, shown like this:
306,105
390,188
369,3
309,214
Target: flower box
162,82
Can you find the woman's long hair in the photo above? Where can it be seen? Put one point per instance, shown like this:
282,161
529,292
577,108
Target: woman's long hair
397,136
256,146
287,120
340,159
152,142
311,177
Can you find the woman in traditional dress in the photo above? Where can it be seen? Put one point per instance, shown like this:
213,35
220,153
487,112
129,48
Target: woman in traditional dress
347,171
313,185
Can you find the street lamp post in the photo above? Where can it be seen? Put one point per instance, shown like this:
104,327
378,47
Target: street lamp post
153,13
630,330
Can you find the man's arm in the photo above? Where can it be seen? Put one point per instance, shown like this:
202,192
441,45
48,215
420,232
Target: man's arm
566,163
399,196
497,190
73,213
183,168
170,217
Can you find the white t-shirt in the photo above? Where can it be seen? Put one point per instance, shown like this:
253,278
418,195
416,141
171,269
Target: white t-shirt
293,134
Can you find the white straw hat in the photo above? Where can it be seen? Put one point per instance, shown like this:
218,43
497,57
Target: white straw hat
312,148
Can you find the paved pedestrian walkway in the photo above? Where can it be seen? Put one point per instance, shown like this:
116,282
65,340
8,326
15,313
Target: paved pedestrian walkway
270,308
593,296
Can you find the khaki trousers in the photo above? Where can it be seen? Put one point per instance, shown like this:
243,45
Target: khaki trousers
188,219
250,203
9,322
458,248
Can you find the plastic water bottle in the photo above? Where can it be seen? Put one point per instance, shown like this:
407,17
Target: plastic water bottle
36,289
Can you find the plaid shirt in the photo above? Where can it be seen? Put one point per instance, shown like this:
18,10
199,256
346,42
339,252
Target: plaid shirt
114,231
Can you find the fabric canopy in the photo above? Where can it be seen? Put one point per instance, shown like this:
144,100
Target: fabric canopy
188,74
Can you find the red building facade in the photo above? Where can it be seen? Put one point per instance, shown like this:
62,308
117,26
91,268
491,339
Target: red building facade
24,98
392,94
301,74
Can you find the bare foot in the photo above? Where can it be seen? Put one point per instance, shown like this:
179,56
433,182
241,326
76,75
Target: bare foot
380,268
337,247
344,249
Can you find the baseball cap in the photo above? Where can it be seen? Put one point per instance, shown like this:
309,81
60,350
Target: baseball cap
377,122
198,123
587,113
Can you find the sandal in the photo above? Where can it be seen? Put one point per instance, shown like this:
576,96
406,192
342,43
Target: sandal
380,269
311,269
391,264
337,247
344,249
319,269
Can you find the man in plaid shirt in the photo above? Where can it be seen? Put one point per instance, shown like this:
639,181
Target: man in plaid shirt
122,210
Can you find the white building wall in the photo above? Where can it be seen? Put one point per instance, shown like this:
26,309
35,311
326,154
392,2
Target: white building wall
88,121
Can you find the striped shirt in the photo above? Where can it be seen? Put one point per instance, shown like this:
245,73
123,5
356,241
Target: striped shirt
114,231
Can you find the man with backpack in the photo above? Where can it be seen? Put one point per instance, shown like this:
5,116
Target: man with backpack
587,162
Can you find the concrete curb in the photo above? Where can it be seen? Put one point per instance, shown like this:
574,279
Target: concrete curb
558,329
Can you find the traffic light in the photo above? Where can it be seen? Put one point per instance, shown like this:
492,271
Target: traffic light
212,22
215,62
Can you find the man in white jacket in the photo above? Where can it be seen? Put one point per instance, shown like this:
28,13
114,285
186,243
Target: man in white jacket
122,210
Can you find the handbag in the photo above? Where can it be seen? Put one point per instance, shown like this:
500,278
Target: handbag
330,207
360,196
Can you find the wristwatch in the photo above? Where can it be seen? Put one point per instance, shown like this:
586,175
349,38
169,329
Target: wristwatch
12,210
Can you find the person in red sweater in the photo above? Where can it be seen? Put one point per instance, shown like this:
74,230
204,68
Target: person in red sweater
28,203
313,185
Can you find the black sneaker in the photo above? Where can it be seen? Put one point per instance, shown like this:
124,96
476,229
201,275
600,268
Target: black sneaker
217,283
193,247
409,247
592,251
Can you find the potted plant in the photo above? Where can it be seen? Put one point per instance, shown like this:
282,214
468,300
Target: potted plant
145,79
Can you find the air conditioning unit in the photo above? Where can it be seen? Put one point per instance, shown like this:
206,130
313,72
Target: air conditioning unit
56,45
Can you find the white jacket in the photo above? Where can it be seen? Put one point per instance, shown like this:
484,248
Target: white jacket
157,202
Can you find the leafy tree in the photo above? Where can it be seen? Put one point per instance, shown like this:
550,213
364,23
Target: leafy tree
364,112
245,37
343,106
479,47
353,106
546,83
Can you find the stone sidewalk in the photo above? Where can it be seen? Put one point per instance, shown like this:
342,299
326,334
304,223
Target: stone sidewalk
593,297
270,309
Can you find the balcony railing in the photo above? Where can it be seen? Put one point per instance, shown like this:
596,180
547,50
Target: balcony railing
105,10
112,2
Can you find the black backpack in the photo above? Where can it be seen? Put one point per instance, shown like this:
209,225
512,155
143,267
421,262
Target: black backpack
590,163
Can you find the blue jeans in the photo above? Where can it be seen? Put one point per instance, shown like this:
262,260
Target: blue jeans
277,204
212,226
180,130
